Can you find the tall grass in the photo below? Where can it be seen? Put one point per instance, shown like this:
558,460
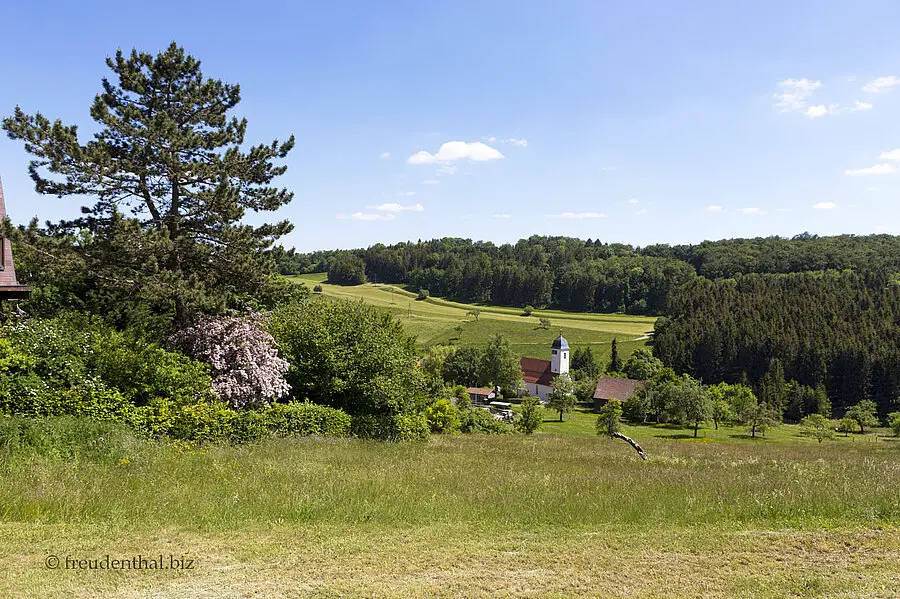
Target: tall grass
508,481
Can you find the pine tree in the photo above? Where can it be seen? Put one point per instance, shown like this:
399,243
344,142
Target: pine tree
615,362
168,154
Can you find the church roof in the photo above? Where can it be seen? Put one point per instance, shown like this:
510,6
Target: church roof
560,343
536,371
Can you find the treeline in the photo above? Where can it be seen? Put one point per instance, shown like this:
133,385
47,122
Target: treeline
834,330
593,276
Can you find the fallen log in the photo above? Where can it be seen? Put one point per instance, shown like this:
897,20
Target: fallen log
633,443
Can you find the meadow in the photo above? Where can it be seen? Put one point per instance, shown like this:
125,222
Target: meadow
434,320
556,514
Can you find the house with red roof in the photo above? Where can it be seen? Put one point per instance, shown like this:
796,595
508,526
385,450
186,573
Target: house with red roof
538,374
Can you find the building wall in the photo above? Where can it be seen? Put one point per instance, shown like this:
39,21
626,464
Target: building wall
541,391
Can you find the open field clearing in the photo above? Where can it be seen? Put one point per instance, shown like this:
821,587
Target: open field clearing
476,516
434,321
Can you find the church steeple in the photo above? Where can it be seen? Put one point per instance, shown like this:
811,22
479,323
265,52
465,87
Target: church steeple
9,285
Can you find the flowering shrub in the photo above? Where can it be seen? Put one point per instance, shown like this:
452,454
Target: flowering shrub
246,369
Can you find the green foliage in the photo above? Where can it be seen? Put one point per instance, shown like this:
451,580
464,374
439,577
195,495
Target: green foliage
720,411
530,416
346,269
642,365
305,419
761,418
499,364
317,289
818,426
528,310
863,414
422,295
894,423
167,152
409,426
349,356
636,408
479,421
609,422
690,402
442,417
562,399
585,364
545,323
462,366
846,425
615,362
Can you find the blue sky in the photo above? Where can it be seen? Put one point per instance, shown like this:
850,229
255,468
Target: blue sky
636,122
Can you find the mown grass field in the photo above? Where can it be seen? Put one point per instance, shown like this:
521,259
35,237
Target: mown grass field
550,515
434,321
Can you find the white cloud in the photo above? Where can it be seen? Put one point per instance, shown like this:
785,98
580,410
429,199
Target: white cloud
456,150
362,216
430,182
633,201
522,143
393,207
408,194
794,94
892,155
714,209
821,110
385,155
861,106
578,215
825,206
502,216
753,210
881,84
878,169
491,139
448,169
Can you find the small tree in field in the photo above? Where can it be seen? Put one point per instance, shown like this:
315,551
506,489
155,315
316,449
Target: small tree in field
529,418
760,418
720,411
817,426
846,425
528,310
894,423
609,422
474,314
545,323
863,414
563,397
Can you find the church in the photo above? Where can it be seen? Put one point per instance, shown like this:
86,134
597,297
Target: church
538,374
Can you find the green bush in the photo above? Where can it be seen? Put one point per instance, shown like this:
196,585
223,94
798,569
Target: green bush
201,422
394,427
25,397
295,419
894,423
442,416
66,437
423,294
528,310
248,426
530,417
478,421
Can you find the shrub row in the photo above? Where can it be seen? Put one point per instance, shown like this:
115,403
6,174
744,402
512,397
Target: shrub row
404,426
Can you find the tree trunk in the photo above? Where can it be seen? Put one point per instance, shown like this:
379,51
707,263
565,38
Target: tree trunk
631,442
696,426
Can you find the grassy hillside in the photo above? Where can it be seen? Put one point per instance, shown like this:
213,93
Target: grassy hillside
434,321
549,515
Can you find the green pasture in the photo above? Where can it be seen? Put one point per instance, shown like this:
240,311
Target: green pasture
435,321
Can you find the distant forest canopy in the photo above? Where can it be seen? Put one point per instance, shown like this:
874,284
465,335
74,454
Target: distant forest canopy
821,311
592,276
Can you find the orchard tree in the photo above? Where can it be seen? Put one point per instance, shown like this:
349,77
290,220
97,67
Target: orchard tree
499,364
846,425
642,365
691,403
530,416
562,399
863,414
172,180
817,426
609,422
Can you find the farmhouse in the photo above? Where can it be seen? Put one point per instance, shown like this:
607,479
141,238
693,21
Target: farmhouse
482,394
609,387
9,285
538,374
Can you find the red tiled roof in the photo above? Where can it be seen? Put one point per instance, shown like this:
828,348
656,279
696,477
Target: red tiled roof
478,390
536,371
614,388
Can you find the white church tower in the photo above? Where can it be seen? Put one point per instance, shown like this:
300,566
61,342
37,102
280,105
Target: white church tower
559,360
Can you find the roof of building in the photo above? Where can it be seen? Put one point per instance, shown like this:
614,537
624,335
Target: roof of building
560,343
536,371
9,286
478,390
609,387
